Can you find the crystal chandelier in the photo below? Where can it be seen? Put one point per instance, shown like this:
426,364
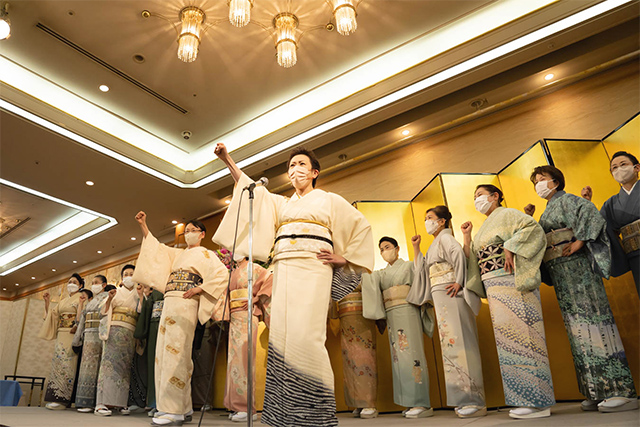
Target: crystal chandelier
344,11
189,39
240,12
286,45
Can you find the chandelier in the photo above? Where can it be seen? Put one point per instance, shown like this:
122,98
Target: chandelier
284,27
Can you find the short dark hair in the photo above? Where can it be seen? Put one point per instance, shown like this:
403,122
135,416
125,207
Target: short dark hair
492,189
88,292
102,278
109,288
442,212
126,267
196,223
552,171
315,164
391,240
629,156
78,278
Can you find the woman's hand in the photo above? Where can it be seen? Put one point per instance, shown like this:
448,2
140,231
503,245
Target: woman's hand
453,289
141,217
46,297
112,293
140,291
328,258
509,266
571,248
466,228
587,193
416,240
221,151
192,292
530,209
73,330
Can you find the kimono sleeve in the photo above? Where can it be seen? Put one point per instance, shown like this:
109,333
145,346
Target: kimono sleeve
78,337
265,211
144,319
372,303
214,283
420,292
263,287
474,279
619,260
153,266
351,235
453,253
49,329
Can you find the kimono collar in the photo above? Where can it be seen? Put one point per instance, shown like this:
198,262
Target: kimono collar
398,262
444,231
296,197
628,193
557,195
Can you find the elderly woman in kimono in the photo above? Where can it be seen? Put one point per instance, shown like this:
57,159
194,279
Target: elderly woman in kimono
58,322
622,212
322,245
86,335
505,256
440,278
193,280
384,296
577,258
117,324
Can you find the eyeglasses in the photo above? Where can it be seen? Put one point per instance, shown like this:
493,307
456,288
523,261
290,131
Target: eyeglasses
193,230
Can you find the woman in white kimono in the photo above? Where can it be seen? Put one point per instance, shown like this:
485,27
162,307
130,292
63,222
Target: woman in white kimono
440,277
57,326
193,281
384,296
320,240
504,258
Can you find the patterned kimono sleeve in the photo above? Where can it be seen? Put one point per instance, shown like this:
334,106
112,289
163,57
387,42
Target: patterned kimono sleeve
154,263
215,277
78,338
372,303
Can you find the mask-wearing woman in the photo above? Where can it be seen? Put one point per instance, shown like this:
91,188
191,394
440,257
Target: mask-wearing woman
322,245
440,279
384,296
505,256
117,323
58,322
87,336
577,258
193,281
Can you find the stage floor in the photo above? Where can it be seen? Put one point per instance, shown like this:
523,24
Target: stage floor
563,415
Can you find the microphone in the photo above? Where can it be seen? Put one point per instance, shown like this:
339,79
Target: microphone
262,182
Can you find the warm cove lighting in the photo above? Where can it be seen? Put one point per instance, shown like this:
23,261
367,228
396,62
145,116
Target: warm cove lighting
423,48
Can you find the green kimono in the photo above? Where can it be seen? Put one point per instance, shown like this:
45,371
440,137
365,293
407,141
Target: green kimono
147,329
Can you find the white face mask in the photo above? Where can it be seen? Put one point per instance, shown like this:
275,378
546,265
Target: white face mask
193,238
96,289
483,204
300,175
389,255
128,282
624,174
72,287
431,226
543,190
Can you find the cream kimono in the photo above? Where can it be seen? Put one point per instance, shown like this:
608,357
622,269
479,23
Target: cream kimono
174,271
300,386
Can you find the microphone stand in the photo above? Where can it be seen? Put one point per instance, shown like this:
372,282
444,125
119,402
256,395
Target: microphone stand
250,313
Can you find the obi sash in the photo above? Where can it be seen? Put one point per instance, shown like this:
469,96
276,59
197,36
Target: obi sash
156,310
303,236
395,296
92,320
126,315
631,237
66,320
491,261
441,273
351,304
556,241
239,298
182,281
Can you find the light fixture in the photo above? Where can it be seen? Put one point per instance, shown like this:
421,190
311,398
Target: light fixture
99,252
189,39
406,132
103,88
174,222
227,202
89,183
53,269
33,278
4,289
133,238
5,24
17,284
344,11
75,262
286,45
240,12
549,76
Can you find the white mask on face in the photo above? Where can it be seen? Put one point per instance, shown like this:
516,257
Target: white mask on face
128,282
72,287
431,226
389,255
96,289
482,203
300,175
192,238
624,174
543,190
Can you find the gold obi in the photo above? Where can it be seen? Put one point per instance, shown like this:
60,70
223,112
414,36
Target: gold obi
66,320
182,281
556,241
92,320
302,236
395,296
631,237
441,273
126,315
156,311
351,304
239,298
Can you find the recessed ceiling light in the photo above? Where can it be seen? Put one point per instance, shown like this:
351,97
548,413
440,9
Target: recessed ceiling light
75,262
174,222
99,252
4,289
53,269
227,202
17,284
33,278
104,88
89,183
549,76
133,238
406,132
